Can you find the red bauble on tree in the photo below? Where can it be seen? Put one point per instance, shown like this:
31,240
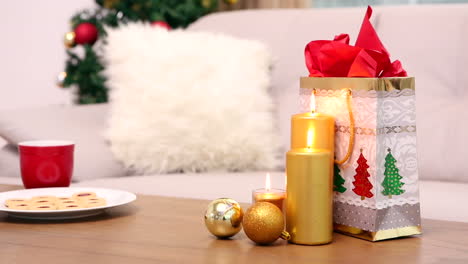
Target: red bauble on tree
362,185
86,33
160,23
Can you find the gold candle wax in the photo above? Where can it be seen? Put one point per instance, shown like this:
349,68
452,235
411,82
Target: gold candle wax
309,203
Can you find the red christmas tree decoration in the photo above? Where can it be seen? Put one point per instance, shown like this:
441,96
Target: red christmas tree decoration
362,185
86,33
160,23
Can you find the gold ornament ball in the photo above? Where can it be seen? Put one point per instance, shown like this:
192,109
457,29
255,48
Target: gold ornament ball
263,223
60,79
110,3
223,217
69,39
206,3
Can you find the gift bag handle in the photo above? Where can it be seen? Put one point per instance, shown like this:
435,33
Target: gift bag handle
349,95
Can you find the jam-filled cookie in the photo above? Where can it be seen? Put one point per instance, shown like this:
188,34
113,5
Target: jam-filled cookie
42,201
13,201
19,206
94,202
44,198
69,206
84,195
67,201
43,207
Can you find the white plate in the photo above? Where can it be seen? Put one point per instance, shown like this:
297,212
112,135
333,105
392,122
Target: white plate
113,198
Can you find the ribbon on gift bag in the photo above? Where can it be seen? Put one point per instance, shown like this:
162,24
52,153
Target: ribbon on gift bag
367,58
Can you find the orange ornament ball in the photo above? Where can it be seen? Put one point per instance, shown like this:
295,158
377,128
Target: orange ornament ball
263,223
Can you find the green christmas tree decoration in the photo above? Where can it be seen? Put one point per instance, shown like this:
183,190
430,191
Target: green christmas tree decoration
392,182
86,72
338,181
84,64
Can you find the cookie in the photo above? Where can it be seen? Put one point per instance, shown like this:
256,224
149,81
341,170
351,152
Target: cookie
64,199
15,201
19,206
67,201
69,206
63,204
94,202
42,207
84,195
44,200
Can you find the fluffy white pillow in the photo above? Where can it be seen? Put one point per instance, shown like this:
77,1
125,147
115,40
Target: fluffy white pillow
189,101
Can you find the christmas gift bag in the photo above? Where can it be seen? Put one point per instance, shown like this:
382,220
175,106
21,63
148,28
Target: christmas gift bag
375,173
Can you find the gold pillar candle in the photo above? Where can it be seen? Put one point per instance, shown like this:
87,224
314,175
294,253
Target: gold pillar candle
309,203
309,163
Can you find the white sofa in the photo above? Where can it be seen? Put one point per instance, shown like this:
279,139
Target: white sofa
430,40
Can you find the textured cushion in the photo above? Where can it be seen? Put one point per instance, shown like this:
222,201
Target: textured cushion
185,101
82,124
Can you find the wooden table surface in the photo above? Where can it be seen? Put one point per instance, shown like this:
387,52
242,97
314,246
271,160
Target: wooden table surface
171,230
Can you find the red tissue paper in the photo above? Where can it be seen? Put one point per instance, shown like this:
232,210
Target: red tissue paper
367,58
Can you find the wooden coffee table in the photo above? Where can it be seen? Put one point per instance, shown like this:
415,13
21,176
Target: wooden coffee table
171,230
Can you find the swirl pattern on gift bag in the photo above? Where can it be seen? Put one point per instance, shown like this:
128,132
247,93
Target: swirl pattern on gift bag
396,111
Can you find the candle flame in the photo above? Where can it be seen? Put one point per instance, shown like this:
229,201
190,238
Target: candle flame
267,182
310,136
312,103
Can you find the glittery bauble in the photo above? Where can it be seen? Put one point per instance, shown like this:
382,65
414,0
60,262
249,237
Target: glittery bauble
69,39
223,217
263,223
60,79
86,33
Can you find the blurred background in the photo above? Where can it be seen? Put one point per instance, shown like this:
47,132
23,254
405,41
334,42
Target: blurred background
32,52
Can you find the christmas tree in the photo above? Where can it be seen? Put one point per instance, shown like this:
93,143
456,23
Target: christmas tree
362,185
84,65
338,181
392,181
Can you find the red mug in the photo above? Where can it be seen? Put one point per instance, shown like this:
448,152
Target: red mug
46,163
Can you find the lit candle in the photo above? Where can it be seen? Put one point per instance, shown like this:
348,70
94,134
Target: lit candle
274,196
309,163
318,128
